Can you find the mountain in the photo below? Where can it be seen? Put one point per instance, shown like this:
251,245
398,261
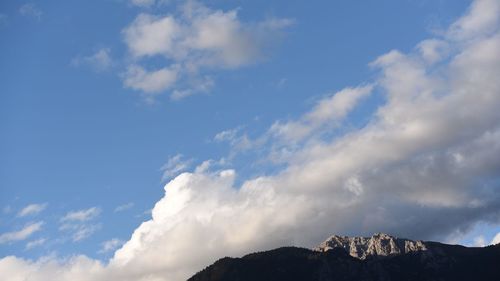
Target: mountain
377,258
379,244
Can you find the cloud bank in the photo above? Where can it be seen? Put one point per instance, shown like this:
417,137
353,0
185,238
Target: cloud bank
425,166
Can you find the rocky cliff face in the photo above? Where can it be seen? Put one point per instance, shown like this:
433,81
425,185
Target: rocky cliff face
379,244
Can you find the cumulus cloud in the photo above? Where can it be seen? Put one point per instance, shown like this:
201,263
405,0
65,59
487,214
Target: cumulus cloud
196,40
75,268
21,234
32,209
433,50
482,19
422,167
425,166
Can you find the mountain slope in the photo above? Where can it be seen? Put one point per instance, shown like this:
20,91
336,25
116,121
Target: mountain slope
437,262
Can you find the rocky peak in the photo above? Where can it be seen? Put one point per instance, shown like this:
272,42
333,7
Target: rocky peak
380,244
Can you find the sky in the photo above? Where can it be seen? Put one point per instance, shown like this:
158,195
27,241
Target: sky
145,139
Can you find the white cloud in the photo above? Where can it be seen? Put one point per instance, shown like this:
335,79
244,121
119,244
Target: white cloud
150,35
194,41
281,83
31,10
75,268
79,231
195,85
81,215
227,135
100,61
482,19
32,209
329,111
22,234
111,245
238,140
399,174
150,82
143,3
124,207
479,241
495,239
35,243
77,223
84,231
433,50
174,166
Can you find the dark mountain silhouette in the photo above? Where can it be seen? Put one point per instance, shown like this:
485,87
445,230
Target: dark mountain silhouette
434,261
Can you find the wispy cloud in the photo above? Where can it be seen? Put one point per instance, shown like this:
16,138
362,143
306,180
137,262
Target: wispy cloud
143,3
281,83
238,140
124,207
227,135
3,19
35,243
82,232
79,231
22,234
81,215
175,165
31,10
99,61
329,111
32,209
78,223
7,209
110,245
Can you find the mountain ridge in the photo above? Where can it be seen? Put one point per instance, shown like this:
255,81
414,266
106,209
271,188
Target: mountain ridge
437,261
379,244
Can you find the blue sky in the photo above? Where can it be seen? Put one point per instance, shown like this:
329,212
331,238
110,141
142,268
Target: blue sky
104,102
